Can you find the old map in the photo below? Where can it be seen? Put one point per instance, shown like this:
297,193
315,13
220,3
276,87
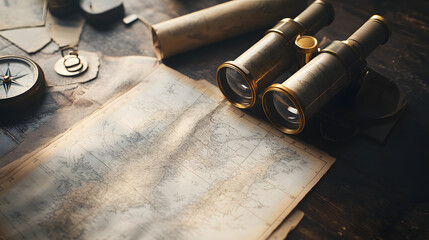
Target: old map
169,159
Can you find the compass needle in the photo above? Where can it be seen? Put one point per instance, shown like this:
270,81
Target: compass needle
6,87
16,83
18,77
8,70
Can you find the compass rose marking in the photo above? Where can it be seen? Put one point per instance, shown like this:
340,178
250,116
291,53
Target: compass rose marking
6,86
9,80
7,70
18,77
16,83
19,72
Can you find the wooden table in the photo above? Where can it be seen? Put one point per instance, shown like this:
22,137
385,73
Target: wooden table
373,191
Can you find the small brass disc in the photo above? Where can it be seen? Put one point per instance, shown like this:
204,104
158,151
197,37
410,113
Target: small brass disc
71,65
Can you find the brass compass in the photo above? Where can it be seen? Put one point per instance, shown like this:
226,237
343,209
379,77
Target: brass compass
21,82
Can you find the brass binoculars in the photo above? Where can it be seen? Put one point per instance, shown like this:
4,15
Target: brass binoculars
289,105
242,80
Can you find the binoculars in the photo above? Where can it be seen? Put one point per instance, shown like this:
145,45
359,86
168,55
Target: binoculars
289,105
242,80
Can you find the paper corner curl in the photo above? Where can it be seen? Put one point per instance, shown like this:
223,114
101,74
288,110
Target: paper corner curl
289,224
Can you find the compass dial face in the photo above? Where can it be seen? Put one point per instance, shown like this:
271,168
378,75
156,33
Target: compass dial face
17,76
21,83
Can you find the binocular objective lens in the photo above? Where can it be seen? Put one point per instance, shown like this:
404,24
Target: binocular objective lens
238,86
283,110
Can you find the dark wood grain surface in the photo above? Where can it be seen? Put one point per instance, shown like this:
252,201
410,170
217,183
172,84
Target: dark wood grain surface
373,191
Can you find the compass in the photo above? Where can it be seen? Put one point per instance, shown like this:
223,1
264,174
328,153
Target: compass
21,82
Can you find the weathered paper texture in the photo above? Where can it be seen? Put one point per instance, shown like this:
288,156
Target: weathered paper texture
30,40
22,13
7,142
219,22
287,225
64,106
66,31
168,159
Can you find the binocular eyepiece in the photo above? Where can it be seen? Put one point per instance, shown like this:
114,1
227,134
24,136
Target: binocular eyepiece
289,105
241,80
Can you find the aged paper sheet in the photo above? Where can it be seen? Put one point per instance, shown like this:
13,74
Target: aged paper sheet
22,13
290,223
65,31
30,40
168,159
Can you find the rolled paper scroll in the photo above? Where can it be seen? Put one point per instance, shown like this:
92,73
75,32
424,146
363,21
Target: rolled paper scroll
219,22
